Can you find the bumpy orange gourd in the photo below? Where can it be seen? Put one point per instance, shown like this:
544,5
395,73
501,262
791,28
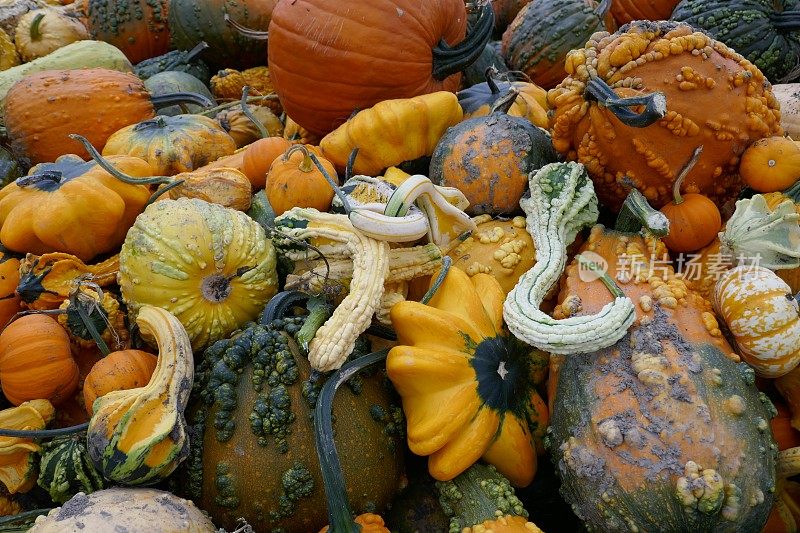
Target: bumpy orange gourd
295,181
122,370
771,164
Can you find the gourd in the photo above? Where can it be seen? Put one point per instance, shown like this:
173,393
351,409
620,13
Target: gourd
214,287
431,34
66,469
419,121
763,317
258,158
9,279
591,107
187,61
294,180
81,54
95,208
36,362
172,144
770,41
94,103
243,130
42,31
93,318
121,370
18,464
135,510
9,57
173,81
137,27
13,11
788,96
227,84
771,164
538,40
464,383
138,436
531,102
488,158
625,11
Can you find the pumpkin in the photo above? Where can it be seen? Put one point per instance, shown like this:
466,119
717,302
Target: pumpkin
187,61
419,121
92,318
631,432
122,370
9,279
255,159
172,144
788,96
174,81
133,510
9,57
36,362
531,102
137,27
66,469
214,286
625,11
191,22
18,465
771,164
770,41
763,317
464,383
538,40
623,149
42,31
307,67
95,208
489,158
228,84
694,220
294,180
505,11
243,130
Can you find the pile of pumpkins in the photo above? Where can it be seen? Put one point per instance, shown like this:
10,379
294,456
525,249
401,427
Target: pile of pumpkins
304,265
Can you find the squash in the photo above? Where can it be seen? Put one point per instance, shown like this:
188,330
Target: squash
243,130
42,31
228,84
187,61
10,303
66,469
80,54
763,317
93,318
9,57
623,149
306,69
489,158
214,286
770,41
36,362
138,436
91,102
95,209
625,11
255,394
173,81
122,370
531,102
771,164
172,144
19,466
293,180
538,40
464,383
662,431
120,508
788,96
137,27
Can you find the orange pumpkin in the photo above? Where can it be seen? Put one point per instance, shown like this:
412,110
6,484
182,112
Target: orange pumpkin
295,181
625,11
123,370
771,164
9,279
36,362
258,158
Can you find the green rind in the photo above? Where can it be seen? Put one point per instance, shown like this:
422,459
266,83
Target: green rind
66,469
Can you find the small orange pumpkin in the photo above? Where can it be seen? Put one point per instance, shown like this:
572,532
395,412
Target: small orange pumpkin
36,362
259,156
295,181
122,370
771,164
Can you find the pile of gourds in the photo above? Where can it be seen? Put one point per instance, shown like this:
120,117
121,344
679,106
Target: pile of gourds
520,236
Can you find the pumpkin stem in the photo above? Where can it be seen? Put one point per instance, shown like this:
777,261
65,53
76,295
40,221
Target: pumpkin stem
449,60
111,169
490,73
250,33
340,516
437,283
655,104
166,100
339,193
38,434
676,187
351,162
504,103
190,55
636,214
319,311
306,165
262,131
163,190
602,9
157,122
786,21
46,175
36,32
602,275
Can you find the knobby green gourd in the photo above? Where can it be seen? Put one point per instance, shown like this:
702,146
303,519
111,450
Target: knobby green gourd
66,469
562,202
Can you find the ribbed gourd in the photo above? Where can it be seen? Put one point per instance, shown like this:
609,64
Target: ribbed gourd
66,469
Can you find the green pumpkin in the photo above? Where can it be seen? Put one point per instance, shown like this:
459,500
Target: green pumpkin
66,468
10,168
253,453
175,81
176,60
767,32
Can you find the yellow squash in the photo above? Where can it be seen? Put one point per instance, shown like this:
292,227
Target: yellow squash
18,461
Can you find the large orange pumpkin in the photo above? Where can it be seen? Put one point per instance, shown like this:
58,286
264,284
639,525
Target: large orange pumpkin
137,27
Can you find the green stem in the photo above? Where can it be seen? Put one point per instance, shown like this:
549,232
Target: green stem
256,35
166,100
24,515
38,434
87,321
162,191
490,73
437,283
786,21
228,105
603,276
340,516
449,60
676,187
655,104
319,311
36,32
262,131
504,103
108,167
636,214
351,162
190,55
339,193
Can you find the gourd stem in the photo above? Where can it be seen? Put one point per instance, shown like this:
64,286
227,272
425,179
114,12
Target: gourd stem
655,104
449,60
24,515
38,434
279,305
490,73
319,310
306,165
339,193
163,190
190,55
165,100
108,167
36,33
602,9
437,283
262,131
87,322
46,175
636,214
610,284
228,105
786,21
340,516
351,162
504,103
676,187
384,332
250,33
